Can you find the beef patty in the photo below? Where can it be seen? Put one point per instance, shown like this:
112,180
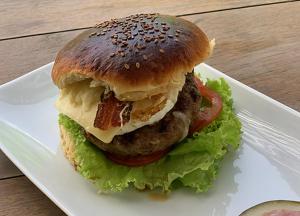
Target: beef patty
162,134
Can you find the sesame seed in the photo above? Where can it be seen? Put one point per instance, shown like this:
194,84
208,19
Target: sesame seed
161,36
176,35
170,36
145,57
122,54
176,40
162,40
137,65
178,31
155,41
112,55
126,66
161,51
163,23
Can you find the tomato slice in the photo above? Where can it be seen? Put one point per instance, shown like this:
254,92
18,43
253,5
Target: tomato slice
137,160
208,114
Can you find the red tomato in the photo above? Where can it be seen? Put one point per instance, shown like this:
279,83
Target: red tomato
208,114
138,160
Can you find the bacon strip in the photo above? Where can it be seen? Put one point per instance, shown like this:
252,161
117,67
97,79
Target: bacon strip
111,112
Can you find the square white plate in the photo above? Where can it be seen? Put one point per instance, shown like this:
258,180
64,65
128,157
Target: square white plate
266,167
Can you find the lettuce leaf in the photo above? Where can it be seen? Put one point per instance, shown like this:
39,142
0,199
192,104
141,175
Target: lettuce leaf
194,162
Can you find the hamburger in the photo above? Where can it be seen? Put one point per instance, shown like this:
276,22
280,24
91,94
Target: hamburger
132,110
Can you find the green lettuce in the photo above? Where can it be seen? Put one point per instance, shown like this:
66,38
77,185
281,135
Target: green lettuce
194,162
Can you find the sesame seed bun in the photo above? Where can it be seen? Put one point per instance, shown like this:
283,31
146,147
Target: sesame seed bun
136,56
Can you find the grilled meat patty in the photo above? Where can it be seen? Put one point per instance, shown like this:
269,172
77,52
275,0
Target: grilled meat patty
162,134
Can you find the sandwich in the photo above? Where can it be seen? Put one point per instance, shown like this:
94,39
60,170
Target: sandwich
134,112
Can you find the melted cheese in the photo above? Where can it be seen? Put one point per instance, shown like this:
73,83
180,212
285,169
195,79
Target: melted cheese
80,101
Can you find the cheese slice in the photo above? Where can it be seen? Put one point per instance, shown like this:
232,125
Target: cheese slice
80,101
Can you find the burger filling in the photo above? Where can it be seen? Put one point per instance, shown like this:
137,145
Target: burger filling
173,127
135,133
97,110
131,127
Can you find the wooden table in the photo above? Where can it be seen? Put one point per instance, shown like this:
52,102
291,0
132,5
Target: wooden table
257,44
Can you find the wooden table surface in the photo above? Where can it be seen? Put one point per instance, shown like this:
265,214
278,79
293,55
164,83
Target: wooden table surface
257,44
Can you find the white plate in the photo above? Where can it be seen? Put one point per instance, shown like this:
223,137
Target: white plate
266,167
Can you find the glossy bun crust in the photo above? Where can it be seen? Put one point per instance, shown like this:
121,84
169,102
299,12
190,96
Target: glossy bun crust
139,53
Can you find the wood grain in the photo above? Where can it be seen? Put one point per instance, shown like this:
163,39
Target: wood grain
18,196
260,47
28,17
7,168
25,54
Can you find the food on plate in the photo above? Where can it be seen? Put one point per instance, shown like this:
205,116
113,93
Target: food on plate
274,208
134,112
